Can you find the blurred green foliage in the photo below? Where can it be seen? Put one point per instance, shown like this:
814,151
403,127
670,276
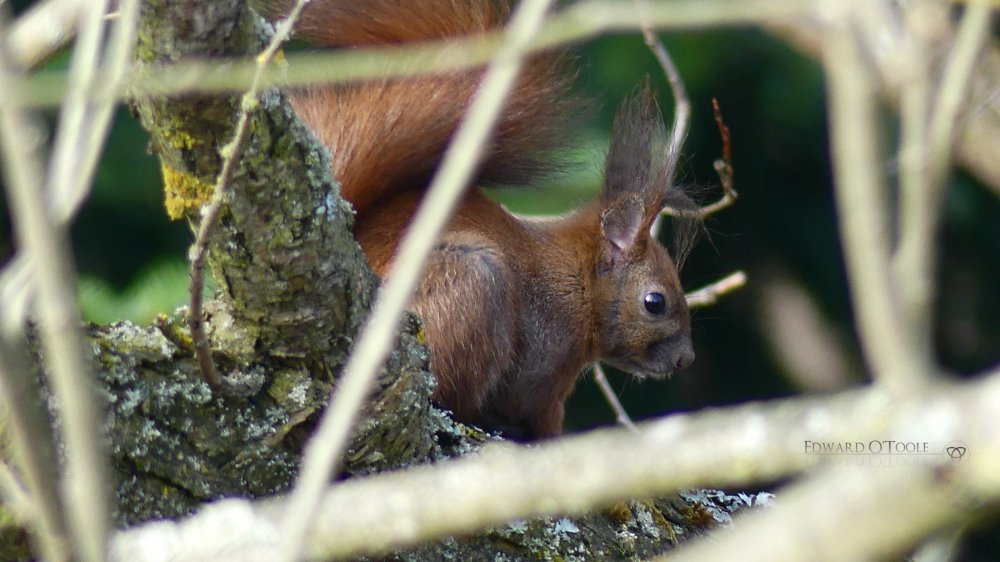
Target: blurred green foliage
159,289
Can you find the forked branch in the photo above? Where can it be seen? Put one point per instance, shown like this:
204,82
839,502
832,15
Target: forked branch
723,167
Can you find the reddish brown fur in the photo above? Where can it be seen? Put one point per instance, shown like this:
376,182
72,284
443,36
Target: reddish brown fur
513,308
389,135
343,23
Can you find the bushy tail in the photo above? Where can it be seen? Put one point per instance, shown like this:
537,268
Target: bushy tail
389,135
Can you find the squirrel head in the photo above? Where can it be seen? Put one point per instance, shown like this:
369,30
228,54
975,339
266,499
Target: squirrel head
642,317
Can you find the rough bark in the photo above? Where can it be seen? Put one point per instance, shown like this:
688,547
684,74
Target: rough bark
175,446
283,250
294,283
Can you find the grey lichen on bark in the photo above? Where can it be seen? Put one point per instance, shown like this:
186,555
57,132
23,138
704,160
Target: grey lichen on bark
295,288
634,530
176,445
283,250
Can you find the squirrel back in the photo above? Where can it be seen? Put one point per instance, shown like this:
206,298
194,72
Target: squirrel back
389,135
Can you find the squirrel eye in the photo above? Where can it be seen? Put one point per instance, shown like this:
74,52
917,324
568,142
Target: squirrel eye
655,303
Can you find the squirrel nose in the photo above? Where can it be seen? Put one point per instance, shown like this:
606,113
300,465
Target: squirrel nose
684,359
685,354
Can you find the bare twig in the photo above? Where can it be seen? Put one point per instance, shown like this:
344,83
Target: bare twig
100,110
43,238
196,286
42,30
682,106
723,167
583,20
33,447
862,200
230,156
74,114
926,170
15,497
322,454
85,490
909,261
974,150
972,35
814,354
709,294
17,294
944,547
621,416
82,145
82,128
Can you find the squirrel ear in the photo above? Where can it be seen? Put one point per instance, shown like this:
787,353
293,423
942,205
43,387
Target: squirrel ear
623,224
635,170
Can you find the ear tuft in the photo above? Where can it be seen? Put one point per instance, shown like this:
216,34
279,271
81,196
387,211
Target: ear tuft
635,169
686,229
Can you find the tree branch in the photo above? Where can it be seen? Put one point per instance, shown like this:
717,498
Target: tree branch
709,294
621,416
43,29
862,205
45,240
734,446
921,219
33,444
580,21
931,494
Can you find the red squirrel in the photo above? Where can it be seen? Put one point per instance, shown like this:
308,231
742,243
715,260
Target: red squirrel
513,307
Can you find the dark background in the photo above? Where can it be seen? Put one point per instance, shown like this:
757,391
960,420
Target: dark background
789,331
